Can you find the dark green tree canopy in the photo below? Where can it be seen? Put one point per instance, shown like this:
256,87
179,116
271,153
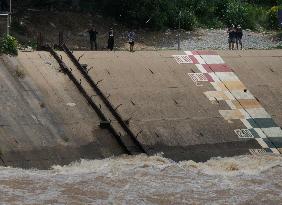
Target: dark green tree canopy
165,13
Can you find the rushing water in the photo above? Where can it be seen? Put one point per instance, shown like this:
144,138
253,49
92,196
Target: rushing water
148,180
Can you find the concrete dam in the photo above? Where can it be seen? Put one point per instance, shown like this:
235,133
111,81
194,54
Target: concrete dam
62,106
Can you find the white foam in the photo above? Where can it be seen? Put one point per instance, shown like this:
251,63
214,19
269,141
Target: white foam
146,180
250,165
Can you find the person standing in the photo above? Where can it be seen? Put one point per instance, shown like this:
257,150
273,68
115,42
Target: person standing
231,37
131,40
239,36
93,38
111,39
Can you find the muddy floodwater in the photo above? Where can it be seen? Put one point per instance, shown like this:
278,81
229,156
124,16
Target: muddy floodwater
148,180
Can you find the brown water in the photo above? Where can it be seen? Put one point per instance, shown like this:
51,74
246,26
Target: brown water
148,180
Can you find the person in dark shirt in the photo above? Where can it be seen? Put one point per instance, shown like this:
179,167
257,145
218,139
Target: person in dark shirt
131,40
111,39
231,37
239,36
93,38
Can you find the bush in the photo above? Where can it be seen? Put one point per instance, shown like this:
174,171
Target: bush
272,15
279,35
236,13
9,45
257,17
158,14
188,20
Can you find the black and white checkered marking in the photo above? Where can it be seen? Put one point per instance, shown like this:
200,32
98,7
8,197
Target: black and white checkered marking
198,77
183,59
257,151
244,134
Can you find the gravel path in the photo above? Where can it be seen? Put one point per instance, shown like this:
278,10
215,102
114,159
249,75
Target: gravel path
217,39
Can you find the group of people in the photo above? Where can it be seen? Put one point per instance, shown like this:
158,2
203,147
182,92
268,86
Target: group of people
111,39
235,35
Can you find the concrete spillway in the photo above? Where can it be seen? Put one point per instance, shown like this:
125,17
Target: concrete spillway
208,105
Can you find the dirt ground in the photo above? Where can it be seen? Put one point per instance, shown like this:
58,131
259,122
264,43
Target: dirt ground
74,25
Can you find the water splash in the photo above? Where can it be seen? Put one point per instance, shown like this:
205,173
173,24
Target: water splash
148,180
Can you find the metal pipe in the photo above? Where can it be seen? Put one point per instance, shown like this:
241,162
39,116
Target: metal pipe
10,12
8,25
179,27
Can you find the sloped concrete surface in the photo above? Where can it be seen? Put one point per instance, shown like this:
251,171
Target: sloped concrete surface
261,72
44,120
174,115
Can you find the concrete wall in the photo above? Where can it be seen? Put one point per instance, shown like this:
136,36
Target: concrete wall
44,120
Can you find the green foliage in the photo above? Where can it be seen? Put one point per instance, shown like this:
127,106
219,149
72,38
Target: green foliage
9,45
18,27
32,44
236,13
264,2
279,35
257,17
158,14
164,13
188,20
272,14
